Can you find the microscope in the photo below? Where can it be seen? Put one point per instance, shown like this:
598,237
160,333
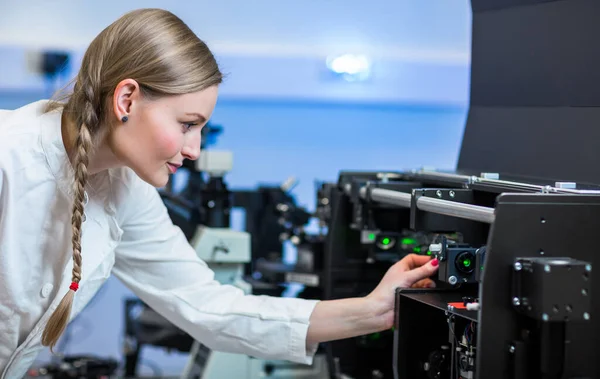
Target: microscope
275,222
227,253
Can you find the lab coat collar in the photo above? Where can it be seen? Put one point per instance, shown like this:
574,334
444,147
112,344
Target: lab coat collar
57,158
56,154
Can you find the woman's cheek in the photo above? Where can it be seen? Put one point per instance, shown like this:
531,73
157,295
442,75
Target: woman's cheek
170,144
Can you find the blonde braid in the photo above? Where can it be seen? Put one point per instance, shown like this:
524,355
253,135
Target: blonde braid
60,318
84,145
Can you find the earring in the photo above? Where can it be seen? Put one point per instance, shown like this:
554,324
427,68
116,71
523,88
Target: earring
124,118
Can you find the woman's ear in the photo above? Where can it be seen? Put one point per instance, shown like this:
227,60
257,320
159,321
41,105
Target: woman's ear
127,92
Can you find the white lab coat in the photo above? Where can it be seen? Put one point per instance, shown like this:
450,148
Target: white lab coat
127,232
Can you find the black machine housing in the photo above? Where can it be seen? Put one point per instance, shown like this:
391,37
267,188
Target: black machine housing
531,297
517,305
531,148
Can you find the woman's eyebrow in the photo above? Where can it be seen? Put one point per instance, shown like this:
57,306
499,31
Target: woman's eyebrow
200,117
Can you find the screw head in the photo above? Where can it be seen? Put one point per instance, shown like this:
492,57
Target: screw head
545,317
516,301
438,193
547,268
518,266
511,349
452,193
453,280
588,267
586,316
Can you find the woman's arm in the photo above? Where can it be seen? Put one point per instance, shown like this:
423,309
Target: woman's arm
345,318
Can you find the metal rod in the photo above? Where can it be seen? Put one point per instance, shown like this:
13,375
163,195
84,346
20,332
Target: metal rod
442,175
456,209
508,183
429,204
381,195
534,187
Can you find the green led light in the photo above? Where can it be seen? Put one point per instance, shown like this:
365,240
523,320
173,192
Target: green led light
417,249
467,262
372,236
409,241
385,241
428,252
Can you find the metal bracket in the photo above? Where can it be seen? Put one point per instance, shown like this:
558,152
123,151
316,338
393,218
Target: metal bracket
552,289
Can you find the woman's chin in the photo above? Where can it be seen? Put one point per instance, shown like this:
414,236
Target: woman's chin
157,179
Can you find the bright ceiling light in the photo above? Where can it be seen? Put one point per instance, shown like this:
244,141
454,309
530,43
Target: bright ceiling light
350,66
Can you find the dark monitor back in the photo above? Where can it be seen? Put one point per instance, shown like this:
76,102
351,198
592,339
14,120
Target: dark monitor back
535,90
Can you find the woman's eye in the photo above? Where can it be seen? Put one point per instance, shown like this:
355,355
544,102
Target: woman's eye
188,125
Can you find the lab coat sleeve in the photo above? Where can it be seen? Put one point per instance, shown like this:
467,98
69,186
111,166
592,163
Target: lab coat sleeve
3,194
157,263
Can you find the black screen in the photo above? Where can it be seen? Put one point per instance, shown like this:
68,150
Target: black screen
535,90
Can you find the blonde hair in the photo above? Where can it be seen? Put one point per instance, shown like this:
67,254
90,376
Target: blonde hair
160,52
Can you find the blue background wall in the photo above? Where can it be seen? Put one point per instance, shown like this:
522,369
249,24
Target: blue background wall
272,141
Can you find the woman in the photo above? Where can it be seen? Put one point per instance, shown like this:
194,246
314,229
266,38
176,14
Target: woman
78,178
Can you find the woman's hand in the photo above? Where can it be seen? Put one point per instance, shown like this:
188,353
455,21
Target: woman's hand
345,318
412,271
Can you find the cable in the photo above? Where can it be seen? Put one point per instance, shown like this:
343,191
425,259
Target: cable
453,360
469,328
